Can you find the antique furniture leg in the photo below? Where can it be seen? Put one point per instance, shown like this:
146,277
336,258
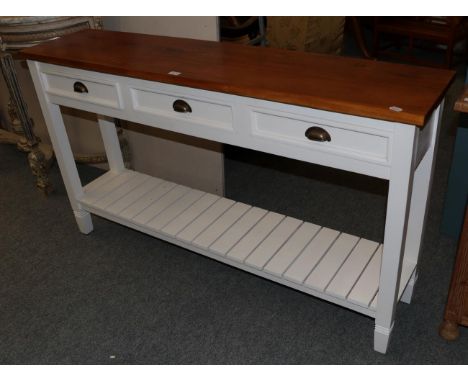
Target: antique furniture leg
20,32
38,158
399,196
456,310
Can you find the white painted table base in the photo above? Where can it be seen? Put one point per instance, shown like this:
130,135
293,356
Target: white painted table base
353,272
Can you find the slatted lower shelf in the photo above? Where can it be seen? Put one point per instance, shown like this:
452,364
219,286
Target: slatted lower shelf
332,265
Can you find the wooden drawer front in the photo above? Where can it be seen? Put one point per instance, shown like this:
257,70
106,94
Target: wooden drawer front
101,93
352,141
204,112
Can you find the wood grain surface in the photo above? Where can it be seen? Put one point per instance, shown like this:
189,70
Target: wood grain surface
381,90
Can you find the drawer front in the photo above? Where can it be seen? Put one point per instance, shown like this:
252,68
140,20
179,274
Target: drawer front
345,140
203,112
99,92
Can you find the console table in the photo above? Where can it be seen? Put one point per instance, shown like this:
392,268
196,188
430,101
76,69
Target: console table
367,117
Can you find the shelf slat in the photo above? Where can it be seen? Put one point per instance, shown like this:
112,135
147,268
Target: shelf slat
220,225
160,205
311,255
147,199
323,274
121,190
352,268
175,209
92,196
317,260
190,214
189,233
150,184
273,242
227,240
255,236
368,284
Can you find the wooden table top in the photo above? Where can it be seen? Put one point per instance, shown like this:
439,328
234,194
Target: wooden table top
341,84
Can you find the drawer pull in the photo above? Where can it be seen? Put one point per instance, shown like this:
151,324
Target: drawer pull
181,106
80,87
316,133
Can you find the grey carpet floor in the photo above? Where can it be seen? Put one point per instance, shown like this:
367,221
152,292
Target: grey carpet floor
119,296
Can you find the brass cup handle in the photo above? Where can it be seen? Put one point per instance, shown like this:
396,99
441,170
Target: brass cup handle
181,106
316,133
80,87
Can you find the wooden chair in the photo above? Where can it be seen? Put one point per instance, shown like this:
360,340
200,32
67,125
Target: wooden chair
434,32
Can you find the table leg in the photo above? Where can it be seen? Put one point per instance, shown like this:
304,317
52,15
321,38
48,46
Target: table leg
422,182
63,152
399,196
111,144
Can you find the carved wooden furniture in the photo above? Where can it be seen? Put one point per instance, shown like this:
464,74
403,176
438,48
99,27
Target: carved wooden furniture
17,33
446,31
456,310
373,118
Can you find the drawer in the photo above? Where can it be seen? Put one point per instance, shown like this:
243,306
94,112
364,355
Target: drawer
202,112
345,140
96,91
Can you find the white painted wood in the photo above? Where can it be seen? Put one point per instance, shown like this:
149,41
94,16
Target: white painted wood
220,225
266,236
364,160
324,272
255,236
240,228
111,144
273,242
175,209
207,113
203,221
146,200
352,268
399,196
108,187
311,255
367,286
161,204
234,263
190,214
363,145
356,143
293,247
407,294
62,150
148,185
84,222
99,181
121,191
422,184
407,280
100,92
